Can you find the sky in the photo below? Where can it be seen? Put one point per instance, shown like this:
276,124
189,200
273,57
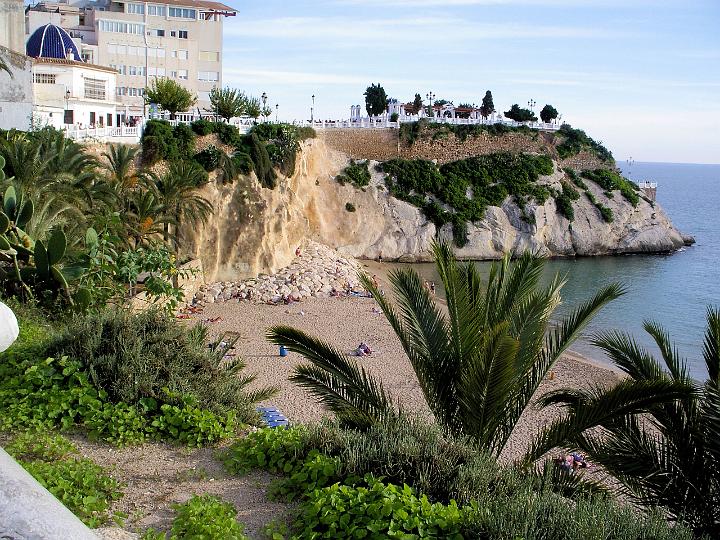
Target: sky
641,76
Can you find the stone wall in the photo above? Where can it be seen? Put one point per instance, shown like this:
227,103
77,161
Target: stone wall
16,91
374,144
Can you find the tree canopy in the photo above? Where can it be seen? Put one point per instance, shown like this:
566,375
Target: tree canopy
487,107
417,104
375,100
548,113
169,95
227,103
520,115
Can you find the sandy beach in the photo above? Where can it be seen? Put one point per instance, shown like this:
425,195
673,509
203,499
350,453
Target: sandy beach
344,323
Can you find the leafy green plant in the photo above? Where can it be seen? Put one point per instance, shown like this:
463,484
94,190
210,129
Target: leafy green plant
576,140
202,127
228,134
209,158
377,511
610,181
80,484
564,200
169,95
356,173
202,517
274,450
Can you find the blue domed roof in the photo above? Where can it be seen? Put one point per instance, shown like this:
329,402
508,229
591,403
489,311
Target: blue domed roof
51,41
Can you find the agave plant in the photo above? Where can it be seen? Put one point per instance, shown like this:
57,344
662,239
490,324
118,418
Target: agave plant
478,363
657,432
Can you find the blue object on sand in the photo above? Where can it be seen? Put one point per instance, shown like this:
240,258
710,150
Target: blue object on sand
283,350
272,417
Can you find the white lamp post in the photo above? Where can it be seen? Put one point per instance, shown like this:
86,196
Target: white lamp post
8,327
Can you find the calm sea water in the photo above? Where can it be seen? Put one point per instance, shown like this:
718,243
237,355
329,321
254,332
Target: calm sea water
674,290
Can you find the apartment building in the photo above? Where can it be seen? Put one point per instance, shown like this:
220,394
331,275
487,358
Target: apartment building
179,39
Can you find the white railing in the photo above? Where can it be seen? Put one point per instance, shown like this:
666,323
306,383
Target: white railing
123,132
384,122
647,185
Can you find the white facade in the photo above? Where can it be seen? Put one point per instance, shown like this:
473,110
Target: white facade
74,94
16,91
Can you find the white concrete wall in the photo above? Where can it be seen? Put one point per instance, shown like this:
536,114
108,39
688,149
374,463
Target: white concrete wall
12,25
16,91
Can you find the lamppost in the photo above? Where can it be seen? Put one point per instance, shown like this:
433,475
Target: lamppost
431,98
264,100
559,120
277,107
312,110
531,104
67,107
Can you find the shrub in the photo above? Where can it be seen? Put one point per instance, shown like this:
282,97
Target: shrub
274,450
350,207
606,213
394,117
576,140
305,132
565,199
243,162
185,139
575,178
412,131
209,158
152,150
610,181
356,173
261,162
202,517
148,355
228,134
80,484
377,511
202,127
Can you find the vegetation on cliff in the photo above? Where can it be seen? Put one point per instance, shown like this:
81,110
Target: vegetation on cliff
575,141
459,192
423,128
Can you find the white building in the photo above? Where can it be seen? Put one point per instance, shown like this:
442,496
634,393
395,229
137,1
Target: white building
67,91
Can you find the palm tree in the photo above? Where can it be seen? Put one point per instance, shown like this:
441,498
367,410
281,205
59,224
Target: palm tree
120,166
178,193
478,365
657,432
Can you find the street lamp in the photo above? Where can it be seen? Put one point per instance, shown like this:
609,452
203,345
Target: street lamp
312,110
431,98
264,100
67,106
531,104
277,107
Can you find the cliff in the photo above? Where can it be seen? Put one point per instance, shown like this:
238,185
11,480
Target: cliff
256,230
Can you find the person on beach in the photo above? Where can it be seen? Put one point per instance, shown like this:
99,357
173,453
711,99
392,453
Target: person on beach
432,288
375,281
297,251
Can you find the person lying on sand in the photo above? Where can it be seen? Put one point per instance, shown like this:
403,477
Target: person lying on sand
363,350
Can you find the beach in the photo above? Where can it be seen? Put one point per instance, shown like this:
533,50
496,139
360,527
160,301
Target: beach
344,322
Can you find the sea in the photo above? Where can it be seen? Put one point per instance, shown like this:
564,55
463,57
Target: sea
674,290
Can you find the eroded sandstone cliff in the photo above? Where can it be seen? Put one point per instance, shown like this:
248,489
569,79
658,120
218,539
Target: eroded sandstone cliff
256,230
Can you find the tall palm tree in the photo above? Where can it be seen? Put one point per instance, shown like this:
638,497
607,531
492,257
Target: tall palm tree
478,365
120,167
182,204
657,432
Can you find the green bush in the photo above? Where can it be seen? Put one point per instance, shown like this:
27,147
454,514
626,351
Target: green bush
203,517
209,158
565,199
149,355
377,511
575,178
185,140
80,484
261,162
606,213
243,162
394,117
350,207
611,181
203,127
228,134
576,140
412,131
274,450
356,173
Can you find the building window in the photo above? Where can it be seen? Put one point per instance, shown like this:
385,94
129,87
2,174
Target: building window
133,92
94,88
157,32
156,72
173,74
132,70
121,91
138,9
208,76
44,78
182,34
158,11
68,118
141,70
156,53
183,13
181,54
121,27
173,33
209,56
182,74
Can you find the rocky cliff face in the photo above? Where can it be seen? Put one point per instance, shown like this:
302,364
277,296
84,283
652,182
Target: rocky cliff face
256,230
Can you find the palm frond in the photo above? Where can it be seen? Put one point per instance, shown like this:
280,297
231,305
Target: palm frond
675,364
711,346
340,384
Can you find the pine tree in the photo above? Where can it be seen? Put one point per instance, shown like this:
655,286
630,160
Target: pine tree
488,107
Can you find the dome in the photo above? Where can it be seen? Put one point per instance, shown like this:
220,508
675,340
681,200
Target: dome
51,41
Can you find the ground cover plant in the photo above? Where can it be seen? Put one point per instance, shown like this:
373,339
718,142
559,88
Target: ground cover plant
576,140
364,483
605,212
202,517
80,484
459,192
611,181
356,173
131,385
413,131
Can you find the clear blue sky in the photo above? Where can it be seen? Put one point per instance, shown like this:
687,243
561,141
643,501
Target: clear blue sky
642,76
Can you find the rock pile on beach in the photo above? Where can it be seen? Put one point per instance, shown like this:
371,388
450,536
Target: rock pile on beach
316,272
